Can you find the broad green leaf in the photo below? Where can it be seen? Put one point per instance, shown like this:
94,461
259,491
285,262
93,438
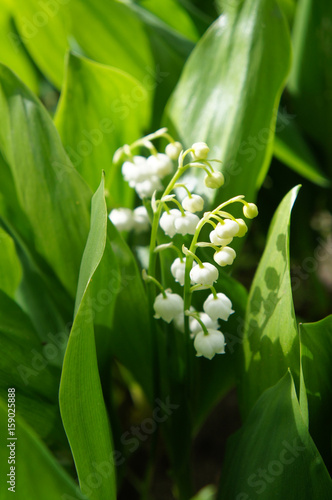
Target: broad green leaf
43,28
131,338
53,196
10,267
270,338
316,350
170,49
174,15
121,40
13,52
311,75
37,474
229,92
100,109
273,455
81,399
291,149
25,365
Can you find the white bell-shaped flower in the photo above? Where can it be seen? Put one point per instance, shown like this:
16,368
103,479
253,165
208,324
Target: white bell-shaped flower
201,150
193,203
178,270
173,150
205,275
186,224
122,218
209,345
225,256
147,187
160,164
167,221
141,219
227,229
167,308
250,211
135,170
214,238
243,228
214,180
219,307
195,325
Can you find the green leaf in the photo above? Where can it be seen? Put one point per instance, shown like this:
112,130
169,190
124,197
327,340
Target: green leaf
10,266
270,337
100,109
170,49
25,365
273,455
121,41
53,196
316,350
43,27
13,52
311,75
132,341
293,151
174,15
37,474
81,399
229,92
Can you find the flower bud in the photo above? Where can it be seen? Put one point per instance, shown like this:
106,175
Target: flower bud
167,308
186,224
250,211
243,228
160,164
173,149
194,203
209,345
218,307
225,256
201,150
167,221
205,275
227,229
214,180
214,238
122,218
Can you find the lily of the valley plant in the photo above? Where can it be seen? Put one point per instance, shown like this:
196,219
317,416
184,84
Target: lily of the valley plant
166,208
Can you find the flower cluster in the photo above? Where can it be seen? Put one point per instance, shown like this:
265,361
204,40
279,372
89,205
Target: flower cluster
125,219
185,218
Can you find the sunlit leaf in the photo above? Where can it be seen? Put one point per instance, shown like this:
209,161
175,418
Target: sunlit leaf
101,109
10,267
82,405
43,28
50,192
270,340
273,455
229,92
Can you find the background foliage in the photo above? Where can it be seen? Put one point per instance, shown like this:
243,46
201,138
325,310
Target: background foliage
78,79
